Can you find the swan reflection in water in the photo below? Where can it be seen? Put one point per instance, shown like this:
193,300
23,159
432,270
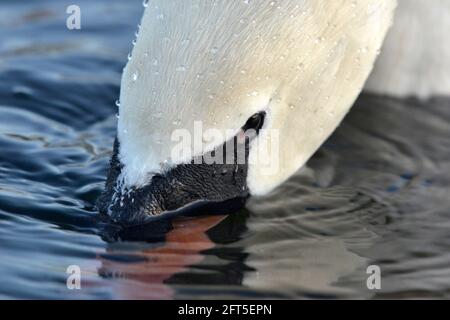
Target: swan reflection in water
141,273
190,251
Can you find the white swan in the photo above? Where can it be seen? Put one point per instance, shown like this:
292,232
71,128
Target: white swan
220,62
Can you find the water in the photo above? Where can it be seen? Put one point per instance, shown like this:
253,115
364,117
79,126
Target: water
376,193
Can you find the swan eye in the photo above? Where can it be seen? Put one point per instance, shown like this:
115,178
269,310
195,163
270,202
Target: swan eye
255,122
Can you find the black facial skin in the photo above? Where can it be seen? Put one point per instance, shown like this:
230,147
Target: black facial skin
193,188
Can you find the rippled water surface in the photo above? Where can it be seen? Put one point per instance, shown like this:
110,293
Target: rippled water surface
376,193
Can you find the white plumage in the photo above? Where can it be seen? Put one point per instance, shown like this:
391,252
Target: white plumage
415,59
304,62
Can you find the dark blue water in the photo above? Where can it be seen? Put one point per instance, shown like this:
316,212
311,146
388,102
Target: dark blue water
378,192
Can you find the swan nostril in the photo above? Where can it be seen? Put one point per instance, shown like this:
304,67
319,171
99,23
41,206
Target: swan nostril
255,122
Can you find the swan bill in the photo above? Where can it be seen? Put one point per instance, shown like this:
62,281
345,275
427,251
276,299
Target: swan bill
194,188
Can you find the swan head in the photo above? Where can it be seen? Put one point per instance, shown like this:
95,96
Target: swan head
212,182
274,78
